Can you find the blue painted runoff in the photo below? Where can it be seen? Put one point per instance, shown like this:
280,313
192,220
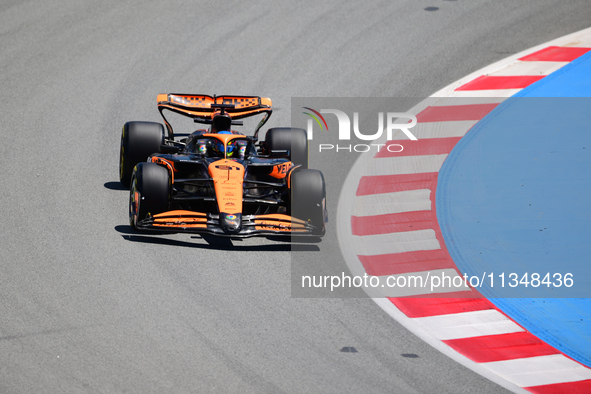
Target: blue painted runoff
514,197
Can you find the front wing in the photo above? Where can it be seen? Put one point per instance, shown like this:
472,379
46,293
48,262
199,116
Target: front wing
208,223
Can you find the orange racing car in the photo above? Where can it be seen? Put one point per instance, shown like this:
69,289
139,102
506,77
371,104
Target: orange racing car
219,181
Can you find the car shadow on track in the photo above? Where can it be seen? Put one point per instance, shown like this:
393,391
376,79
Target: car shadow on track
115,186
218,243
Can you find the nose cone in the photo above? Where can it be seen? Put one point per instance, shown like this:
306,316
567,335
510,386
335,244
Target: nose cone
231,223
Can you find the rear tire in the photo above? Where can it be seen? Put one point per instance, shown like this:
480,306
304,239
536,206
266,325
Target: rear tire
308,198
149,192
138,141
291,139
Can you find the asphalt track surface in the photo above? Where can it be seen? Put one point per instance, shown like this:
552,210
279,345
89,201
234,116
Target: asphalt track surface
86,305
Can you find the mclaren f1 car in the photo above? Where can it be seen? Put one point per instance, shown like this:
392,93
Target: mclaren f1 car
216,180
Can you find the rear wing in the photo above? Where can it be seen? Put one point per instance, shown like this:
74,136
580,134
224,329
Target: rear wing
199,107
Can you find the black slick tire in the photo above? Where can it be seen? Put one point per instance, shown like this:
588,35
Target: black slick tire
292,139
149,192
138,141
308,198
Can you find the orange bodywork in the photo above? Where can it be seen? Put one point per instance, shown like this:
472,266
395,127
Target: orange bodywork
289,175
166,163
228,177
200,105
279,222
280,170
180,218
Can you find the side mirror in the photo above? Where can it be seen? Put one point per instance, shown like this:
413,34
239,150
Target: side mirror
279,153
169,149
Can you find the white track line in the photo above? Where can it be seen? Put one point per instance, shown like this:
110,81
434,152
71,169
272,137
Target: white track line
529,68
407,241
468,324
538,371
437,130
405,165
397,202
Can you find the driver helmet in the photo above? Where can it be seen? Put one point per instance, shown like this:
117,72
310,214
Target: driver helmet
218,146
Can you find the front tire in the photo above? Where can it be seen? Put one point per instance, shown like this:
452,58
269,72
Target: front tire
138,141
308,198
292,139
149,192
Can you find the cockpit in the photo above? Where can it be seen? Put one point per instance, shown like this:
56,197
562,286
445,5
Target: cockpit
211,147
